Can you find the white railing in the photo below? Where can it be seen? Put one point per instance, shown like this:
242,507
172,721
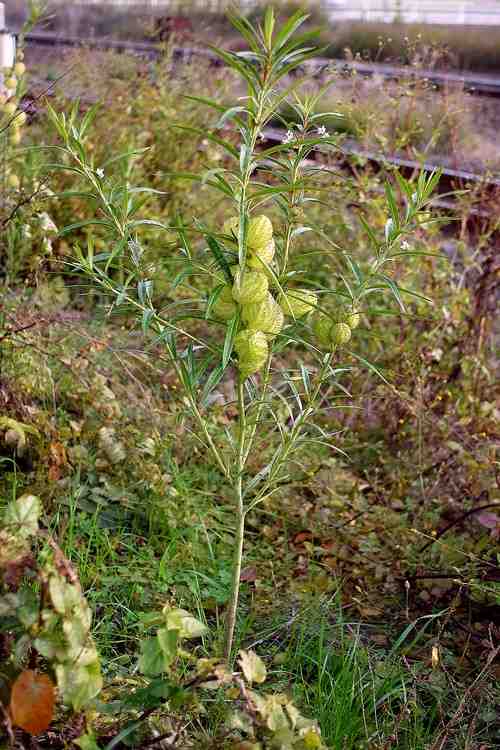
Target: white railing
448,12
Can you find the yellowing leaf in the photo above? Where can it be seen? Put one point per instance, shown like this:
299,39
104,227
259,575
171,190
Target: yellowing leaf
78,684
186,625
32,702
253,667
24,512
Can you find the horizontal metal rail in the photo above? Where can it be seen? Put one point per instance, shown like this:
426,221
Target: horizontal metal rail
352,148
472,82
348,146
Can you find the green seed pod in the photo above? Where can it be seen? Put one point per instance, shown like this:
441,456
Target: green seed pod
19,69
298,302
260,233
353,319
10,83
321,327
252,350
21,118
10,108
224,307
340,333
347,315
264,316
277,323
250,287
259,259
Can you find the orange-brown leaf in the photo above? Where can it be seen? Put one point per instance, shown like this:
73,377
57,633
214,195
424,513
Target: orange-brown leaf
32,702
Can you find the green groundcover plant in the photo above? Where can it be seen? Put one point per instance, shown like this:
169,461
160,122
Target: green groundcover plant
259,303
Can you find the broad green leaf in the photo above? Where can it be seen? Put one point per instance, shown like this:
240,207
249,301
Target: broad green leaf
168,640
152,660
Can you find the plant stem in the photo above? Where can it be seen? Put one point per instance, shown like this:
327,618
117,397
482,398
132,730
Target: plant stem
240,526
237,563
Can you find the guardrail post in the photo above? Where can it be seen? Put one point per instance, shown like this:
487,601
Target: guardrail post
7,44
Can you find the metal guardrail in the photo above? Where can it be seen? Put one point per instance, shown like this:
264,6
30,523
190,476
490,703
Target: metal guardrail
456,12
451,12
472,82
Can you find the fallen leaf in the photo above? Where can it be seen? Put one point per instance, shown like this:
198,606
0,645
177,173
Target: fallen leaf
253,667
248,574
301,537
57,460
32,702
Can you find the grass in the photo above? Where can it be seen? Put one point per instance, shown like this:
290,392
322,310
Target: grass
169,543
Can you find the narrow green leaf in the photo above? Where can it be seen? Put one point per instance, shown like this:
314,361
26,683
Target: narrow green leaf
219,257
231,331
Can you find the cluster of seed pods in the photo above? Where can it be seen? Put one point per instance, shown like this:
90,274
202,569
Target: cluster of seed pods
262,312
9,104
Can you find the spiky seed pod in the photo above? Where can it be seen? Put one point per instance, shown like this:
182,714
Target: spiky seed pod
321,327
277,323
249,287
264,316
224,307
340,333
344,314
259,259
252,349
353,318
298,302
19,69
260,233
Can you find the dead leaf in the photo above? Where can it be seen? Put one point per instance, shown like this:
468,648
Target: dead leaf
252,666
301,537
32,702
249,574
57,460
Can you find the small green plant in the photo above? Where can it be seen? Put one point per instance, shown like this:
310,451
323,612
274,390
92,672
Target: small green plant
242,296
45,622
